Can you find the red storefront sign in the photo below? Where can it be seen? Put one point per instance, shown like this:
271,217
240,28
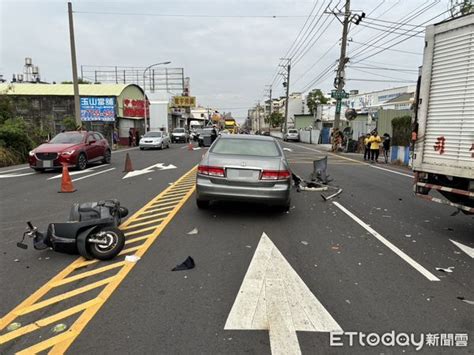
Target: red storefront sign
135,108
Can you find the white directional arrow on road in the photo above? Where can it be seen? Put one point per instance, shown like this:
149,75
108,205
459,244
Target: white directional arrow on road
159,166
273,297
468,250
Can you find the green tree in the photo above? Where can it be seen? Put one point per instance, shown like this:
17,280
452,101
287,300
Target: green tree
275,119
401,127
69,123
6,108
315,98
14,136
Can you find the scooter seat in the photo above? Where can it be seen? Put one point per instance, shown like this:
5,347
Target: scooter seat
88,211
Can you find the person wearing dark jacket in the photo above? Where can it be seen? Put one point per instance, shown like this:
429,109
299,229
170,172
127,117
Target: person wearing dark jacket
386,146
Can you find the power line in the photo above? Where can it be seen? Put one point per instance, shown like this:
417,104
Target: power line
185,15
371,19
402,40
383,81
388,49
389,69
375,74
294,45
385,30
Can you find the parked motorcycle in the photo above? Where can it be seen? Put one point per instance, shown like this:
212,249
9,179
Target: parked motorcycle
91,231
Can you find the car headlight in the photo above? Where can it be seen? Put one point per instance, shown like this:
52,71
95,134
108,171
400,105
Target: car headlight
68,152
31,153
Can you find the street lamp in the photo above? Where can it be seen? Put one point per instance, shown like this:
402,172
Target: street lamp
144,90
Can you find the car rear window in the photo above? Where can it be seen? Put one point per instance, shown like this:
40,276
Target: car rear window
292,131
178,130
153,134
67,138
253,147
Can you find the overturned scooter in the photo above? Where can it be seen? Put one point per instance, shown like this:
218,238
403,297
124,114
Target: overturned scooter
91,231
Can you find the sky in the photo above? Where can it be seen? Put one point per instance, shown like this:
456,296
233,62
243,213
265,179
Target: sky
231,53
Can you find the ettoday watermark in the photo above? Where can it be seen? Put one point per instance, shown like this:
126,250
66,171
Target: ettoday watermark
392,339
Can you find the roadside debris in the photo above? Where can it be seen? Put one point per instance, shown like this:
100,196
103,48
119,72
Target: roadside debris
304,242
449,269
408,235
197,148
132,258
465,300
17,260
185,265
194,231
248,246
58,328
13,326
287,149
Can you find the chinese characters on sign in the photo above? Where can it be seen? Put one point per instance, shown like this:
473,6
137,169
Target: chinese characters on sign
98,109
135,108
184,101
472,150
439,145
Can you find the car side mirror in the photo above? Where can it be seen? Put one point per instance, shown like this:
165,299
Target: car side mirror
91,142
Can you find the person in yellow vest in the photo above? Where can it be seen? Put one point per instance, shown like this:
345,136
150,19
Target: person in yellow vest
367,147
374,141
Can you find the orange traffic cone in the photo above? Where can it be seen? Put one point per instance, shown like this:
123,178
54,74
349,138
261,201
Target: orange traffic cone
128,164
190,146
66,182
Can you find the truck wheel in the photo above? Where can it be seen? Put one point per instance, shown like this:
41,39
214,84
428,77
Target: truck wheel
115,241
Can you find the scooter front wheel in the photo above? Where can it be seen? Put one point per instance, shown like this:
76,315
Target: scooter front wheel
113,243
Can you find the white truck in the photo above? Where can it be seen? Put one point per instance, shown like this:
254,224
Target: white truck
443,125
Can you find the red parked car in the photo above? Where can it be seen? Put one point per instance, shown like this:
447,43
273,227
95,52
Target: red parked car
76,149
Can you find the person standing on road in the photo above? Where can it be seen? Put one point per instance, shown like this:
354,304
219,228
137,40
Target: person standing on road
386,146
115,138
374,147
137,138
367,147
213,134
130,137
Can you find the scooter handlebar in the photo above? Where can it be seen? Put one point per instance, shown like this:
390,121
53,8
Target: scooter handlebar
30,225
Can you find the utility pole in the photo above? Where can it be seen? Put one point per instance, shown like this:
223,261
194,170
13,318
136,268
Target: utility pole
339,81
287,85
77,103
270,102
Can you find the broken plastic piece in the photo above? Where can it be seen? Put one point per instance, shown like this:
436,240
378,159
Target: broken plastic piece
465,300
287,149
194,231
325,198
185,265
449,269
304,242
58,328
132,258
13,326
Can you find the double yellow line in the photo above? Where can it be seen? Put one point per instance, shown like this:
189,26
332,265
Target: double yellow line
144,226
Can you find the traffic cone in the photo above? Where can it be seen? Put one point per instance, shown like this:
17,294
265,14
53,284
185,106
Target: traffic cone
190,146
66,182
128,164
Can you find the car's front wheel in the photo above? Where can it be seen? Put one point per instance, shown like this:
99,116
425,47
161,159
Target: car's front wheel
81,162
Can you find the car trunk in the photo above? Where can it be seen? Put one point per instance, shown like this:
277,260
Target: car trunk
244,170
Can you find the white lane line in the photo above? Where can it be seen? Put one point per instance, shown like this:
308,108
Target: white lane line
6,176
11,170
388,244
354,160
468,250
273,297
97,173
72,173
392,171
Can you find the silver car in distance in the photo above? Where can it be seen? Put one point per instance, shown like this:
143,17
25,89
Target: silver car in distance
244,168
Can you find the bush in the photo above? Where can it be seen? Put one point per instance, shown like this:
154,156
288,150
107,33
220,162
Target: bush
401,127
8,158
14,137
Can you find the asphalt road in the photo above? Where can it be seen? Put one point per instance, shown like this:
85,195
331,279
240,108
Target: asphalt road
369,257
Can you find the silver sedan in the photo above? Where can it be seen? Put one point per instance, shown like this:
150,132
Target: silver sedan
155,139
244,168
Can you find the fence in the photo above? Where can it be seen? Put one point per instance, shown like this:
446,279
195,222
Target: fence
311,137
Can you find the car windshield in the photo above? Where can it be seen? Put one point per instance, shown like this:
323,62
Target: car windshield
178,130
253,147
67,138
152,134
